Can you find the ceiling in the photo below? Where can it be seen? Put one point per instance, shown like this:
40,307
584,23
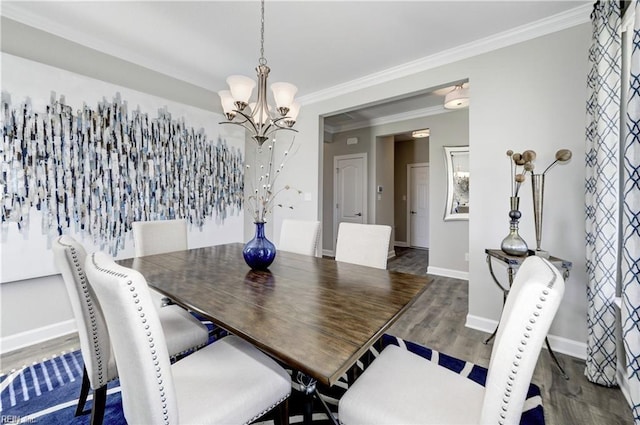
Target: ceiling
317,45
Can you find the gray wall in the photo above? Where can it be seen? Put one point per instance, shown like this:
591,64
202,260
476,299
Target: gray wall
34,305
529,95
30,43
336,148
449,239
405,152
384,177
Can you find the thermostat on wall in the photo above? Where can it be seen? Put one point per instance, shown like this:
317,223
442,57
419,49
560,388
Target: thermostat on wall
352,141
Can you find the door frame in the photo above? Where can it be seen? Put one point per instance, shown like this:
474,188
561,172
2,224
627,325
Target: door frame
408,204
365,189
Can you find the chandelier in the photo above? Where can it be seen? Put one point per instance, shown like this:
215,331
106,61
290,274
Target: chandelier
259,118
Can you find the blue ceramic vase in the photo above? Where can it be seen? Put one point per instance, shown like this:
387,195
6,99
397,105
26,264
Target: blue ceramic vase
259,252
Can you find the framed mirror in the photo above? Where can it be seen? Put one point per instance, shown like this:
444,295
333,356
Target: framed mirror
457,168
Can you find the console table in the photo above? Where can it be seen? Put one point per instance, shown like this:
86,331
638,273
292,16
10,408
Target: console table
513,262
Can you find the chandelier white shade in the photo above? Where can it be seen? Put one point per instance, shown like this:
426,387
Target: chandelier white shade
457,98
260,118
241,88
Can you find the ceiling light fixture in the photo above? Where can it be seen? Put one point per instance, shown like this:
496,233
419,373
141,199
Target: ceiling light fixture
419,134
259,119
457,98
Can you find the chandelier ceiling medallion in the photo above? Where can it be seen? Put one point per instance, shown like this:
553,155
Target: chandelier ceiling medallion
258,117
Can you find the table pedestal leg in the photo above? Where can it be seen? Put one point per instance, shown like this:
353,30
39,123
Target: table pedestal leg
308,388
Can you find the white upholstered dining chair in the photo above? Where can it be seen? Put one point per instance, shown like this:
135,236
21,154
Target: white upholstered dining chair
299,236
227,382
159,236
183,332
364,244
402,387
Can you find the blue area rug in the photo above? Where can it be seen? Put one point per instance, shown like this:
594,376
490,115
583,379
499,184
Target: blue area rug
47,392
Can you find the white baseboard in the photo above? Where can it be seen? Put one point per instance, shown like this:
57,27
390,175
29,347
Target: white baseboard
37,336
456,274
330,253
481,324
558,344
401,244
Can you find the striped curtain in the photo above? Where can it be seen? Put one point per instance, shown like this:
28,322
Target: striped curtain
602,190
630,222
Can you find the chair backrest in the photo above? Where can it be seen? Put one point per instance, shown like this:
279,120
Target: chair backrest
92,331
299,236
531,305
158,237
139,346
364,244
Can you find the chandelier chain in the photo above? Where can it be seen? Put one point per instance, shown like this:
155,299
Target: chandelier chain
262,60
256,117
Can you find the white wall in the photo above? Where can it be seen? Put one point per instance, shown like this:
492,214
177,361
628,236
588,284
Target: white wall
28,274
530,95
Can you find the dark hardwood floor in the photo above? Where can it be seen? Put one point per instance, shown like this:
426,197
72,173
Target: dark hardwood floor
437,320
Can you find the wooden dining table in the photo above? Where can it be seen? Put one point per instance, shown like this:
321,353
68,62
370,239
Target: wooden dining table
317,315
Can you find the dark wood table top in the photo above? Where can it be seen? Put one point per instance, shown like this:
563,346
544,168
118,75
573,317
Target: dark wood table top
314,314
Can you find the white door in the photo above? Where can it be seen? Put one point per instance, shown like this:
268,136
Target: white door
418,205
350,190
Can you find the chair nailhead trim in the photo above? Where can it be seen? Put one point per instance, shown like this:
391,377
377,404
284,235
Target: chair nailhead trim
521,348
82,278
143,319
268,409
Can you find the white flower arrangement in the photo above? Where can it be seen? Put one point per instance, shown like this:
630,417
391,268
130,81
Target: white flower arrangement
262,177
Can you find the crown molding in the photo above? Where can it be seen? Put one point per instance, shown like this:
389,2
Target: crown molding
564,20
69,33
389,119
555,23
